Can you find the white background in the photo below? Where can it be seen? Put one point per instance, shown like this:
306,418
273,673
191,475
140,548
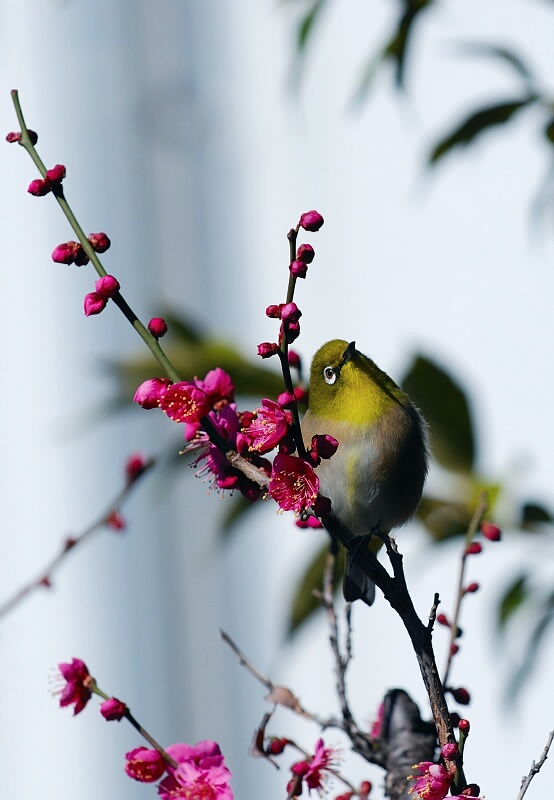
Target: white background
184,142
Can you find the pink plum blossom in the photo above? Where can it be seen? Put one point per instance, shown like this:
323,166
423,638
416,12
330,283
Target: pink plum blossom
269,426
433,782
200,773
77,690
293,485
144,765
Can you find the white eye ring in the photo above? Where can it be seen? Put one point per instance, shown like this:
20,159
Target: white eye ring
330,375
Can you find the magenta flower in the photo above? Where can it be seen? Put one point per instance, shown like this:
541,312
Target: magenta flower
99,241
150,392
433,782
294,359
16,137
157,327
324,445
274,311
77,688
94,303
450,751
286,399
311,221
312,771
270,425
293,485
113,709
144,765
201,774
107,286
218,386
290,313
185,402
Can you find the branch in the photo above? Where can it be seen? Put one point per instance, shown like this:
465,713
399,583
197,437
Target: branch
535,768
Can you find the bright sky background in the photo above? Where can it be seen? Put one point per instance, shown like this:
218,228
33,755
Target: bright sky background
184,141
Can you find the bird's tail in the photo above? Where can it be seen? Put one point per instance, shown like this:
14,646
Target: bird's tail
356,584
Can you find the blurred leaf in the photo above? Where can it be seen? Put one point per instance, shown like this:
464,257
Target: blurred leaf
304,603
532,513
544,621
478,122
445,407
397,48
549,131
502,53
513,598
443,519
306,26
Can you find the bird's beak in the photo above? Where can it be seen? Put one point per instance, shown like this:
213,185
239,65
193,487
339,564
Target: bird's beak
349,352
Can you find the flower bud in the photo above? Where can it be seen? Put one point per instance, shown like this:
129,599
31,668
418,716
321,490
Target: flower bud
442,619
461,696
454,648
286,400
274,311
113,709
309,522
298,269
81,258
305,253
94,304
157,327
294,359
107,286
267,349
292,331
99,241
276,746
365,788
115,521
324,445
301,394
150,392
144,765
13,137
471,588
311,221
56,174
473,549
39,188
491,532
450,751
455,719
290,313
134,467
66,253
463,726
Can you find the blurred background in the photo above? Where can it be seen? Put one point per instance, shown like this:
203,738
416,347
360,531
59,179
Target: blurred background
195,133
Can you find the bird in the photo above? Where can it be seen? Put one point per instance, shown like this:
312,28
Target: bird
376,477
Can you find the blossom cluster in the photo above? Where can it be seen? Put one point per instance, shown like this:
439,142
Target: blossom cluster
432,782
191,771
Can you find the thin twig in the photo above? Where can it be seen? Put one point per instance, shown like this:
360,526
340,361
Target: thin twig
535,768
44,578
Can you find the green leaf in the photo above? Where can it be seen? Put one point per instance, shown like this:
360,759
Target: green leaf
501,53
304,604
513,598
397,48
445,406
443,519
476,123
306,26
531,513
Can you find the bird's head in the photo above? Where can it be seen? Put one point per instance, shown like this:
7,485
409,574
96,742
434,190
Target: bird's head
346,386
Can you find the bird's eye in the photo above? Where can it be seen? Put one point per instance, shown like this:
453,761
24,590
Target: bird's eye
330,375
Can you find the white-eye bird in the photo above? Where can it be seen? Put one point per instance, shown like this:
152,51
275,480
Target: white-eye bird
376,477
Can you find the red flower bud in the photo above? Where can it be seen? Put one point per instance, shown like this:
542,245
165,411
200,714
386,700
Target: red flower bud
454,648
290,313
276,746
491,532
300,394
107,286
463,726
473,549
157,327
461,696
442,619
94,304
134,467
311,221
455,719
286,400
450,751
298,269
365,788
293,331
472,587
305,253
66,253
274,311
115,521
99,241
56,174
294,359
113,709
39,188
324,445
267,349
